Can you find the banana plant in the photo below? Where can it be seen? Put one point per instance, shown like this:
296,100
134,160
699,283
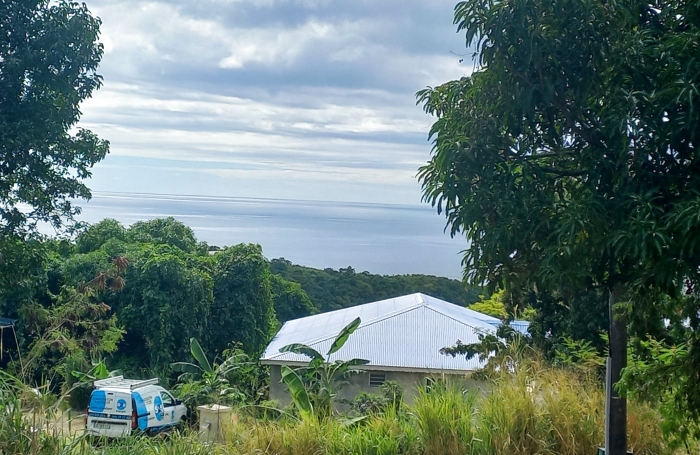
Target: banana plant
205,381
313,388
98,371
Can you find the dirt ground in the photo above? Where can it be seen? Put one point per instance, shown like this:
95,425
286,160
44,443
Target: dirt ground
66,423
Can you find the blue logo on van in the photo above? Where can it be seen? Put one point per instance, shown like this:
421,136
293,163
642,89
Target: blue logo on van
98,401
158,407
121,404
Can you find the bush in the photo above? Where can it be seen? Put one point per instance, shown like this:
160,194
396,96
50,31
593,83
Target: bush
390,397
368,403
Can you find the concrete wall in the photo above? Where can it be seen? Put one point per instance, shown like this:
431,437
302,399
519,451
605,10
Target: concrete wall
410,382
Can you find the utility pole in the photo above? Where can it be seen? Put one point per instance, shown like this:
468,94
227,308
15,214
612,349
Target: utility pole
616,406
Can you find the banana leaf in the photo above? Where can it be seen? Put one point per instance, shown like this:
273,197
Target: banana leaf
300,397
344,335
300,348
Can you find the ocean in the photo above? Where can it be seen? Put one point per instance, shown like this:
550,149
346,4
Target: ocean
378,238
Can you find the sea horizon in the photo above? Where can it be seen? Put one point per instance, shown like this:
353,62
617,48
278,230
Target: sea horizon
386,239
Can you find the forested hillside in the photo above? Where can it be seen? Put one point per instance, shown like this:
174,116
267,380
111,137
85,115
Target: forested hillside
331,289
137,294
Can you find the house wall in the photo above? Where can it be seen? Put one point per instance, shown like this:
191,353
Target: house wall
410,382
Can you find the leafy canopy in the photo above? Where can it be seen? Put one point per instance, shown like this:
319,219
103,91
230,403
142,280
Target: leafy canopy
48,60
569,157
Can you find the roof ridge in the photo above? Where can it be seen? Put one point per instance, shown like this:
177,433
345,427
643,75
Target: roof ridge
455,319
357,306
363,324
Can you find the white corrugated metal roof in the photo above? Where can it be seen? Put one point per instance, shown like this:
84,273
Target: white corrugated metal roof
404,334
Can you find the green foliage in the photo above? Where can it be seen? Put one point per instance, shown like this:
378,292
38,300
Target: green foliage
367,404
166,301
96,235
289,300
664,374
49,54
174,290
331,290
569,157
298,391
75,325
23,272
446,419
393,393
577,315
530,410
242,310
390,398
163,231
580,355
497,351
493,306
209,382
314,388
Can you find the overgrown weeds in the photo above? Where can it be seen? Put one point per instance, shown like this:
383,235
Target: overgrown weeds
532,410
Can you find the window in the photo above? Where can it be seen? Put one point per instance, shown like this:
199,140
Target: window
376,379
167,399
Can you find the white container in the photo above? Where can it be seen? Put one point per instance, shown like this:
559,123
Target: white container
212,418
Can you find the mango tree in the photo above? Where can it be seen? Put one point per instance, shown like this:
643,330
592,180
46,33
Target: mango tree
569,158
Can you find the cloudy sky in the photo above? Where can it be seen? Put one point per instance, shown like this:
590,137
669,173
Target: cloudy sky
291,99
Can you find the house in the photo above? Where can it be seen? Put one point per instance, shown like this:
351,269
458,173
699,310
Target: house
401,337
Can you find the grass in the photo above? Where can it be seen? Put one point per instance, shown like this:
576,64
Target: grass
534,411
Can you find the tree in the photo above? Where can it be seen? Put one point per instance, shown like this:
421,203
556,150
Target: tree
48,57
22,272
242,310
289,300
569,156
166,301
96,235
166,231
330,290
493,306
175,290
76,328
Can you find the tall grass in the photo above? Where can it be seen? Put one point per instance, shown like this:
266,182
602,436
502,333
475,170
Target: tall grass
534,410
446,417
390,433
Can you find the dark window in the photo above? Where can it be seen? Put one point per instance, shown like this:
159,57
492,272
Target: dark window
376,379
167,399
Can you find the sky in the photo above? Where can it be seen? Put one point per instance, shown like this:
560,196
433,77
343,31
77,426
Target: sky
285,99
267,101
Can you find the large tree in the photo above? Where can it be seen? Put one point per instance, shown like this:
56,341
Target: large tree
48,57
569,156
242,310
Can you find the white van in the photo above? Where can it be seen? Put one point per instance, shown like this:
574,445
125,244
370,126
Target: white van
120,406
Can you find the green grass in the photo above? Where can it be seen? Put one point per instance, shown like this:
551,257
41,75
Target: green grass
535,411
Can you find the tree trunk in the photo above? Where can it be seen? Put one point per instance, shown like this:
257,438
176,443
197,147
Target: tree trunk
616,406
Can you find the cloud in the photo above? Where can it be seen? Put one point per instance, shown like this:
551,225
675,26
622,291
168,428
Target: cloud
309,98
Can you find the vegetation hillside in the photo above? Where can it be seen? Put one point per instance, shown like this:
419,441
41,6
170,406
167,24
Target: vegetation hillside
331,289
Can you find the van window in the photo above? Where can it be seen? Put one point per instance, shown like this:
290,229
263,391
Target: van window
167,399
